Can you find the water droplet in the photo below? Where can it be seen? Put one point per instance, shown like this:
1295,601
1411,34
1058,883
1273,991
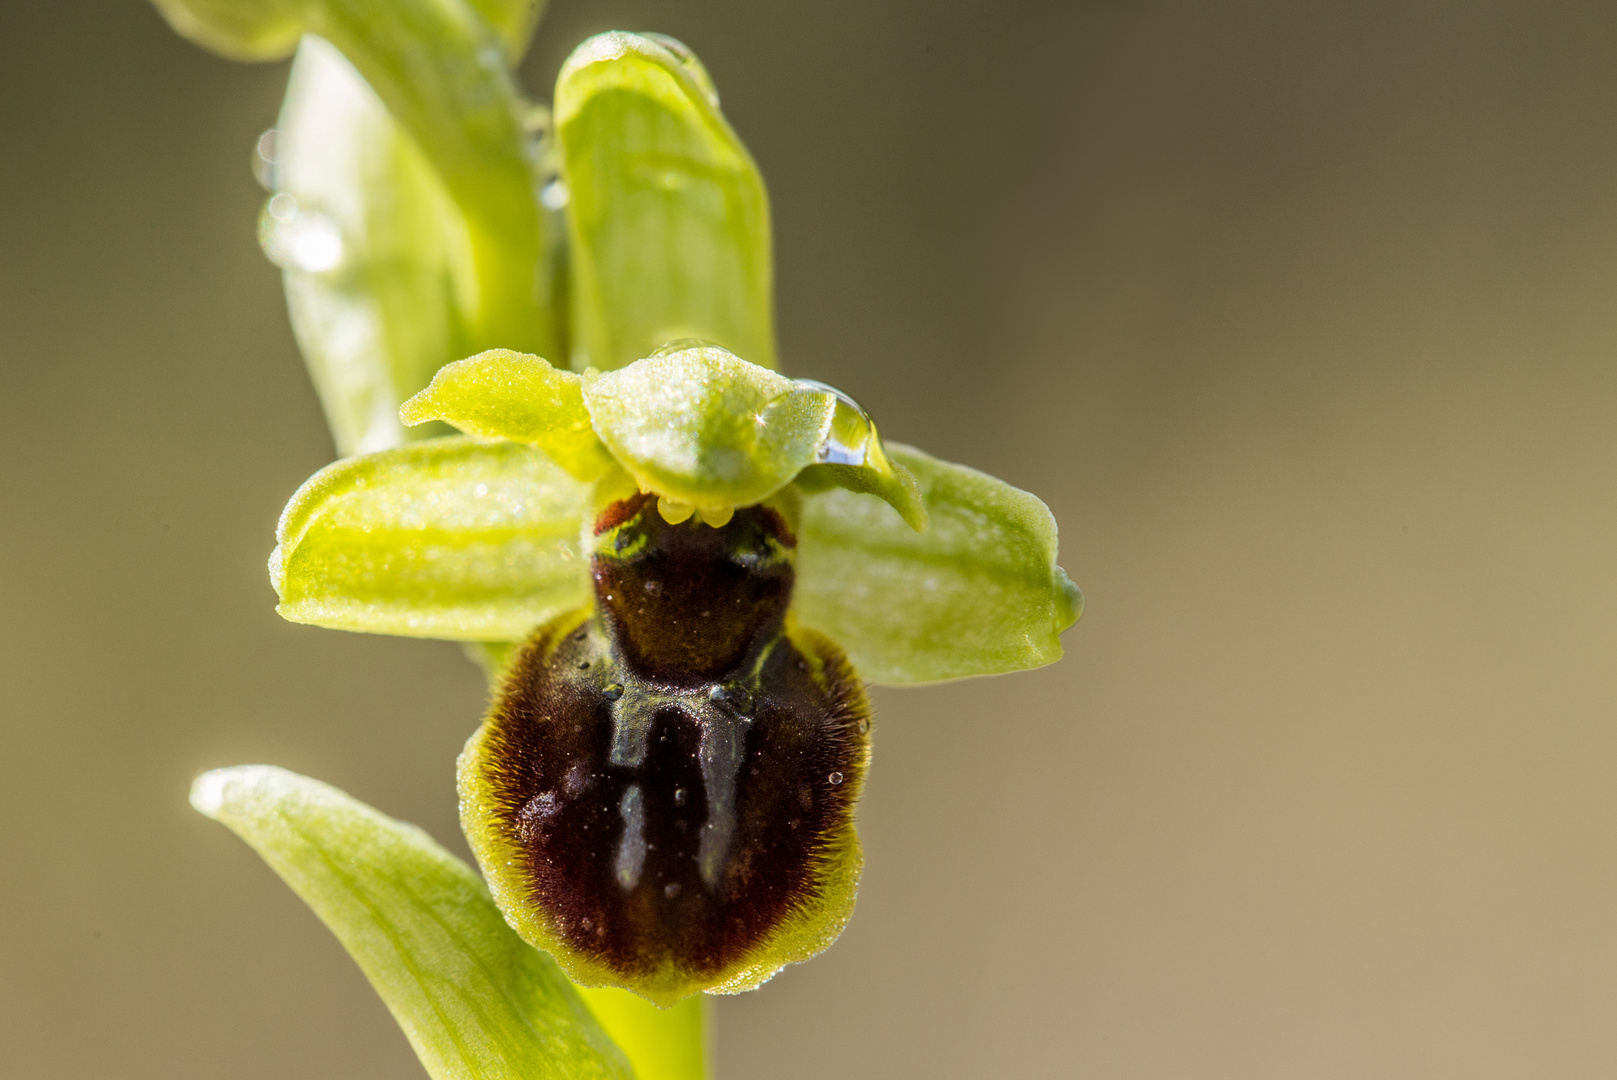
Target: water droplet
612,691
583,665
835,778
554,195
671,890
864,726
680,795
852,439
296,238
654,588
735,698
687,60
481,490
264,159
678,345
536,121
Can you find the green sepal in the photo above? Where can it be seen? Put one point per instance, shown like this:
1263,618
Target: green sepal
475,1001
502,394
700,425
446,538
667,214
894,485
978,593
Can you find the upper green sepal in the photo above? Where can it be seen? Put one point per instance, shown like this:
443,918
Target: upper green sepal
446,538
667,214
502,394
978,593
474,999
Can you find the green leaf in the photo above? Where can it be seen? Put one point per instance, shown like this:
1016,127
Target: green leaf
500,394
269,29
387,300
438,65
475,1001
446,538
661,1044
978,593
667,214
238,29
702,426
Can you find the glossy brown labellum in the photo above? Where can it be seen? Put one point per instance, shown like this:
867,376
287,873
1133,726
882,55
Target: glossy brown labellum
672,771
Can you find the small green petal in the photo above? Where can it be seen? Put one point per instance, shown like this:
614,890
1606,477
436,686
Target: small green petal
475,1001
978,593
446,538
668,218
502,394
702,426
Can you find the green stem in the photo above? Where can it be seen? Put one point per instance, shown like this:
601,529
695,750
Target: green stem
661,1044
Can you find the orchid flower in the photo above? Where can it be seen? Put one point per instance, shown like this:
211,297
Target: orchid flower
679,568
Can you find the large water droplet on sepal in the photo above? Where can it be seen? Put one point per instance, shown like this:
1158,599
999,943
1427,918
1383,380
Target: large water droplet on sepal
297,238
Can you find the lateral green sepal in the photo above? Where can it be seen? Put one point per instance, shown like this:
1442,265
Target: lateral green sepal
445,538
475,1001
978,593
502,394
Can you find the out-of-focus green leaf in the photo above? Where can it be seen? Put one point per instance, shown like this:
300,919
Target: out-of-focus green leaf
668,217
661,1044
439,67
238,29
475,1000
447,538
701,426
978,593
501,394
268,29
379,273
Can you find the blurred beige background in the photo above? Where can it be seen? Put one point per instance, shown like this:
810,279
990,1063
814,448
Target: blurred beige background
1302,318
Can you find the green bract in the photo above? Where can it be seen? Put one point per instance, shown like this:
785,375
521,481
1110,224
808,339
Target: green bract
481,541
472,997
